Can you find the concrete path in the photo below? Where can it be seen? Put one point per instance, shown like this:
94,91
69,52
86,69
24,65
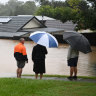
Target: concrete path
13,75
62,79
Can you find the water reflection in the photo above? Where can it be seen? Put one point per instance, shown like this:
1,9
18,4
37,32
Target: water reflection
56,60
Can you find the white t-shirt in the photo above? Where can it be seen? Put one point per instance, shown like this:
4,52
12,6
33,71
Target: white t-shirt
72,53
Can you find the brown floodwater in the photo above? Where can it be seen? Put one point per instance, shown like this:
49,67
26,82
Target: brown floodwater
56,60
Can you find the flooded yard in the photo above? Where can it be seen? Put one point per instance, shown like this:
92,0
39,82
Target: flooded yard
56,60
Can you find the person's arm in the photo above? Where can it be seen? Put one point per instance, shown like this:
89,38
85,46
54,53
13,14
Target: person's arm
33,53
24,54
46,52
69,53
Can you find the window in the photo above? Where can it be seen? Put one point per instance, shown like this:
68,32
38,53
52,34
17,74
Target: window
5,20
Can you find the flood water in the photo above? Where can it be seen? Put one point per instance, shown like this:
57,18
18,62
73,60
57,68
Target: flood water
56,60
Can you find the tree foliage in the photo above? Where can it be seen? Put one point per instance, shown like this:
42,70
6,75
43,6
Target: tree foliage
15,7
27,8
59,13
80,12
52,3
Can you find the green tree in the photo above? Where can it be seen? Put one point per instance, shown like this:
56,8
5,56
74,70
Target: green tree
60,13
52,3
15,7
27,8
12,4
43,2
92,14
9,8
63,13
46,11
83,14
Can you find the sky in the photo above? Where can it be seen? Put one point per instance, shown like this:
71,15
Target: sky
5,1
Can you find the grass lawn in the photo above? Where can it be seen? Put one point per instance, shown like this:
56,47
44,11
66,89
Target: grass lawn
29,87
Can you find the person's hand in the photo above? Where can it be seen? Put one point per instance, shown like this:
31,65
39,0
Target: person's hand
26,61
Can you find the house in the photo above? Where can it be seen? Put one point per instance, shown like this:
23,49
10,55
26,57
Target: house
53,23
14,27
22,26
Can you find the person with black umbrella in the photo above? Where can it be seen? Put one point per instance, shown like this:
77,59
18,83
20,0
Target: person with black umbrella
72,60
77,42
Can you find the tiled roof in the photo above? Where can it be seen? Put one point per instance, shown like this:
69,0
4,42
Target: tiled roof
50,30
15,24
44,18
67,26
13,27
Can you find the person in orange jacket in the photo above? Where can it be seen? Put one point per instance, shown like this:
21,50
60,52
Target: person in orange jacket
20,56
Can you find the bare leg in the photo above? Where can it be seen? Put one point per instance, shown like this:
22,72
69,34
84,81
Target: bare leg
71,71
75,71
36,75
41,75
19,72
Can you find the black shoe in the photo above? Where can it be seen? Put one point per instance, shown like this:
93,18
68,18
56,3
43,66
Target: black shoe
75,77
70,78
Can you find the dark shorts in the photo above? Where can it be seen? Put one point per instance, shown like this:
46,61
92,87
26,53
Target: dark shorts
73,62
20,64
39,66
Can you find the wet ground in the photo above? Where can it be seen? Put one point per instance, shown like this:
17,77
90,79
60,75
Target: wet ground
62,79
56,60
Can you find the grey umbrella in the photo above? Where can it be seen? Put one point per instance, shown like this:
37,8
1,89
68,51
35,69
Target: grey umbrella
77,41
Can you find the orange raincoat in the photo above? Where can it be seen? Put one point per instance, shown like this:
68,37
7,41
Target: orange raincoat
20,52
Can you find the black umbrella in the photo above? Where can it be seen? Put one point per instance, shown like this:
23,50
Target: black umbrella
77,41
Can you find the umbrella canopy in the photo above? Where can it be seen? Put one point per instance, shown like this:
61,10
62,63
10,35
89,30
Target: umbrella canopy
77,41
44,39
